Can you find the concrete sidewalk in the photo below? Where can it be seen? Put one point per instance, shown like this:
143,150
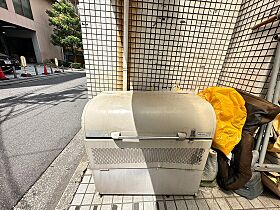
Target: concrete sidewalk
84,197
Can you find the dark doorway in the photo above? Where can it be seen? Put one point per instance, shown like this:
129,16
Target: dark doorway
21,46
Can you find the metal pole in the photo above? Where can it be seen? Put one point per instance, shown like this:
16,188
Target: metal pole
271,90
51,69
260,137
14,71
125,43
36,70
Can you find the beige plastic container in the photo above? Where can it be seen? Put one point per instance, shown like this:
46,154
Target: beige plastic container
148,142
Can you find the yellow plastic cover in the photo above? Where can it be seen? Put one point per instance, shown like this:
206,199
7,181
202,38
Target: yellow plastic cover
231,114
275,147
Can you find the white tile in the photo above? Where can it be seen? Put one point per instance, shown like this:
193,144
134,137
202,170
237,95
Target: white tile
213,205
127,206
222,203
107,199
117,198
170,204
85,208
244,203
201,204
256,203
127,199
77,200
191,204
234,204
181,205
90,188
86,179
82,188
87,199
106,207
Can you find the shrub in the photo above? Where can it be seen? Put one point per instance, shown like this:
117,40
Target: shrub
76,65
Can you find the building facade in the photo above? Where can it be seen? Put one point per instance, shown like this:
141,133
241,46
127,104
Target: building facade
24,30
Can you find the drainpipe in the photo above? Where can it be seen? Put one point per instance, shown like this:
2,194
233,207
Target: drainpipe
125,44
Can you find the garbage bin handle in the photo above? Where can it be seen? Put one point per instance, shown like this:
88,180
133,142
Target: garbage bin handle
117,136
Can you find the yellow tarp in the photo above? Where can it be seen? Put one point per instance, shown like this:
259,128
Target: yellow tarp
275,147
231,114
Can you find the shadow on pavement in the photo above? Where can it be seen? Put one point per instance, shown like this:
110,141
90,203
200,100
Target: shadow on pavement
47,80
11,192
35,101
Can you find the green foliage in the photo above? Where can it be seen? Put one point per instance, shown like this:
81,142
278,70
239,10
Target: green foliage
66,26
76,65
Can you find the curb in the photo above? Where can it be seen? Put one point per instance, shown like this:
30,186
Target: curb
66,198
37,78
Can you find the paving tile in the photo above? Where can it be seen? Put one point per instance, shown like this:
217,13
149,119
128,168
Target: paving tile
87,199
86,179
106,207
191,204
72,208
199,195
170,204
256,203
244,203
82,188
266,201
149,198
116,206
97,200
107,199
275,200
150,206
137,199
91,180
216,192
160,205
77,200
213,205
206,192
222,203
181,205
95,207
202,205
141,206
90,188
127,199
84,208
117,198
233,203
226,193
88,172
136,206
127,206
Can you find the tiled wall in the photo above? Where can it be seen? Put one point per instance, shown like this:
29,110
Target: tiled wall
102,43
193,44
179,42
251,52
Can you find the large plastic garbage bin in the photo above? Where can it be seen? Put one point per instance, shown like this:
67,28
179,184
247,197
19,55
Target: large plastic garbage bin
148,142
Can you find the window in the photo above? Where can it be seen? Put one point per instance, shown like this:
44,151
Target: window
3,4
22,7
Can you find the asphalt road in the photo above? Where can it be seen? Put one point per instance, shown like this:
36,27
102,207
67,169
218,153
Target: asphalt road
38,119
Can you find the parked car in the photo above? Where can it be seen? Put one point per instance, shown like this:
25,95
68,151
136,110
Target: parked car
7,63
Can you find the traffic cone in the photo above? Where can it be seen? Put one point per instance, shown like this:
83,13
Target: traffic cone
45,70
2,75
